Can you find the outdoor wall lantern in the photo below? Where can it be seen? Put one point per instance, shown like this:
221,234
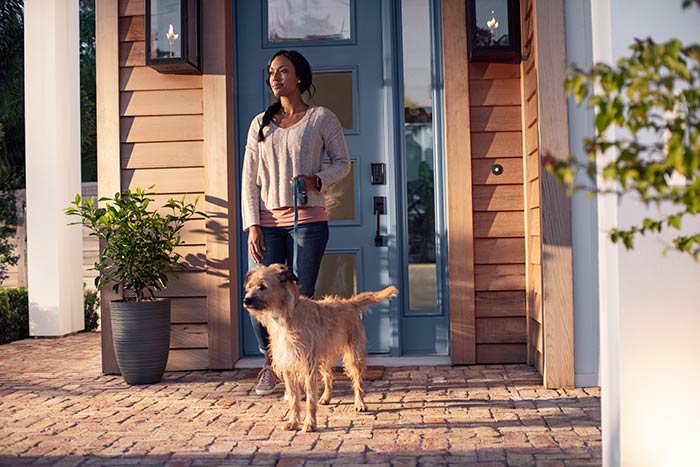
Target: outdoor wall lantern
493,30
172,35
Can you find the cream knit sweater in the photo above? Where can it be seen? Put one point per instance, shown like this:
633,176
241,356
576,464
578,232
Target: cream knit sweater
269,165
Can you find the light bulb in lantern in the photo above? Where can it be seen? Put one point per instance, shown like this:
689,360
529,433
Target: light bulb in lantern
492,25
172,37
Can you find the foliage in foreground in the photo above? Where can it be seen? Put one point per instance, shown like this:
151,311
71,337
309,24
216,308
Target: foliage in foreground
652,100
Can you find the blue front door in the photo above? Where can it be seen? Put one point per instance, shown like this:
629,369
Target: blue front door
344,46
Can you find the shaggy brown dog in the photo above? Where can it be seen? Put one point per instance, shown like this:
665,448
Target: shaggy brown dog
307,336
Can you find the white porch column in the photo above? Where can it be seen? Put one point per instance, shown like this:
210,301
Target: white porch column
52,121
649,303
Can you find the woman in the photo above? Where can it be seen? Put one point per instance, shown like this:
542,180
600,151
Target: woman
287,142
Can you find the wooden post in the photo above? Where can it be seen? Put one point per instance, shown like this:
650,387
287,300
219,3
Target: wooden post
460,231
222,279
557,276
108,171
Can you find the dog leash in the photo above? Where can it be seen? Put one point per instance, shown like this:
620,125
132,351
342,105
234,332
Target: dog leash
300,197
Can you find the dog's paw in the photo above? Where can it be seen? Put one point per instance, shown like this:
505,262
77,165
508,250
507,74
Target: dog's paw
291,426
308,427
324,400
360,407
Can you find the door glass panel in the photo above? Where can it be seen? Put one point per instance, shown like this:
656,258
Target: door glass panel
308,20
418,133
340,198
492,23
334,90
338,275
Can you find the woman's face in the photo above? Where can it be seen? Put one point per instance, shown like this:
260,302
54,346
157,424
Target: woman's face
283,77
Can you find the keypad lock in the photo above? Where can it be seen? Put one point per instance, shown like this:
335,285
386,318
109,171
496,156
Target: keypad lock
378,174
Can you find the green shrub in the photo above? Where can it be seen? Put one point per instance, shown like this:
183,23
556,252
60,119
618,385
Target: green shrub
91,302
139,243
14,315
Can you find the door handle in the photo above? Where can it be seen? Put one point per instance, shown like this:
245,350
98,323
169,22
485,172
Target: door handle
379,209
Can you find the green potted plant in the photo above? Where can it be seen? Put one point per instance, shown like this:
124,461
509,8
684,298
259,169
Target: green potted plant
137,257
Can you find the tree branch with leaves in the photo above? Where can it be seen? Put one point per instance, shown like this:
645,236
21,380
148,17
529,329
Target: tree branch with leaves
652,100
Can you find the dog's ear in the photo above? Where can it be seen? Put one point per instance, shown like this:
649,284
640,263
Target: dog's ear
286,275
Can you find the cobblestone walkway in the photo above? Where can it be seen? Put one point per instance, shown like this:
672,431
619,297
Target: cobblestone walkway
57,409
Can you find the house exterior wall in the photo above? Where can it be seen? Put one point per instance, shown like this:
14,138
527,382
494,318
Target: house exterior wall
649,304
176,131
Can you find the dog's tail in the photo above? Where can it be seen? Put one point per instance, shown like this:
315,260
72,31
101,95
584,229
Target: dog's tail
367,299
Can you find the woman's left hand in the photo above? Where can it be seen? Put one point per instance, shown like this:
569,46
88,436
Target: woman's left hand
309,181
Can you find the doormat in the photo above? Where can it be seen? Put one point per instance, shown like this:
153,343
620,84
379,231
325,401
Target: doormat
373,373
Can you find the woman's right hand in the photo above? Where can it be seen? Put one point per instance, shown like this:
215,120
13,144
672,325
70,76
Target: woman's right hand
256,244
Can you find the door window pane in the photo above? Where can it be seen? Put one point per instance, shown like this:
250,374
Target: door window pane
333,90
308,20
340,198
419,156
338,275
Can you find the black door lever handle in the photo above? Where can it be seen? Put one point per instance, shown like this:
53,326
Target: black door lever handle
379,209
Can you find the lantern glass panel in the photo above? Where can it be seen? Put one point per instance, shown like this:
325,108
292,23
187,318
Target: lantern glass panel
491,24
166,29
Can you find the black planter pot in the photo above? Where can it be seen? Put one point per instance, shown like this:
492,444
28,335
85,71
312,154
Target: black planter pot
141,334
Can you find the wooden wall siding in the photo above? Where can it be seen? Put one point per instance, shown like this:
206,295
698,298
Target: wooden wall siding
161,135
499,245
168,102
497,197
162,155
531,173
131,7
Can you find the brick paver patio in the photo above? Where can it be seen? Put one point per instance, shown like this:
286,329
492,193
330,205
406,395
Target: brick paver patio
56,408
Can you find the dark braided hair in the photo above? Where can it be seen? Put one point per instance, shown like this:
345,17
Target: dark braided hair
303,71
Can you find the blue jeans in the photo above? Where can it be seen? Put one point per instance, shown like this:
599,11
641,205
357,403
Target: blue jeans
279,248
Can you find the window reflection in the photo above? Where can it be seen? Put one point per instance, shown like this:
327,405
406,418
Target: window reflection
308,20
338,275
165,29
340,198
333,89
491,23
